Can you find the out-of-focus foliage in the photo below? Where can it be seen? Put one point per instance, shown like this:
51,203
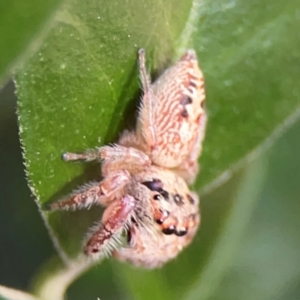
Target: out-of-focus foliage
20,22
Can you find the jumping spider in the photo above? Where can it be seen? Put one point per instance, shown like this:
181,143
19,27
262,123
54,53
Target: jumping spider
146,173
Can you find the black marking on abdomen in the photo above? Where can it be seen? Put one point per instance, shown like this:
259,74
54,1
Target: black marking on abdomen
186,100
184,113
193,84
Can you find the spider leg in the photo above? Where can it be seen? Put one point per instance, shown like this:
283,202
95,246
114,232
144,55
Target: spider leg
146,108
145,77
130,139
104,192
114,158
123,158
89,155
104,237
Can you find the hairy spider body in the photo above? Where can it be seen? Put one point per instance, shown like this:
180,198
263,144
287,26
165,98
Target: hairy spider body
165,220
146,173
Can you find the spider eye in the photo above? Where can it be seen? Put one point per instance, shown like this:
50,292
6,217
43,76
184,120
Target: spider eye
169,230
181,232
157,197
178,199
164,215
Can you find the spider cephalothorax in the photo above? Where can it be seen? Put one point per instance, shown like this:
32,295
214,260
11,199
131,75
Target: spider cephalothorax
146,173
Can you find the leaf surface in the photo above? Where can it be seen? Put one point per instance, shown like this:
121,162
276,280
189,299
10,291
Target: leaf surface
81,89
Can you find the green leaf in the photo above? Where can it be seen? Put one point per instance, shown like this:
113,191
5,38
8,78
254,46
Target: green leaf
20,22
81,90
264,260
231,232
249,53
77,89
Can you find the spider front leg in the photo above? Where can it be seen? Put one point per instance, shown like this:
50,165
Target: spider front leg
146,110
104,238
110,188
114,158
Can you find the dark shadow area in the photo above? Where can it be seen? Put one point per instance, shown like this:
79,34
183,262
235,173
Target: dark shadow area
24,241
128,119
130,109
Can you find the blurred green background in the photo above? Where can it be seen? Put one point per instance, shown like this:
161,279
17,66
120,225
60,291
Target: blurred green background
23,238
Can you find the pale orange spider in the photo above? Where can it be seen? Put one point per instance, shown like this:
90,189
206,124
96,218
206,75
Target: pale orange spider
146,173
